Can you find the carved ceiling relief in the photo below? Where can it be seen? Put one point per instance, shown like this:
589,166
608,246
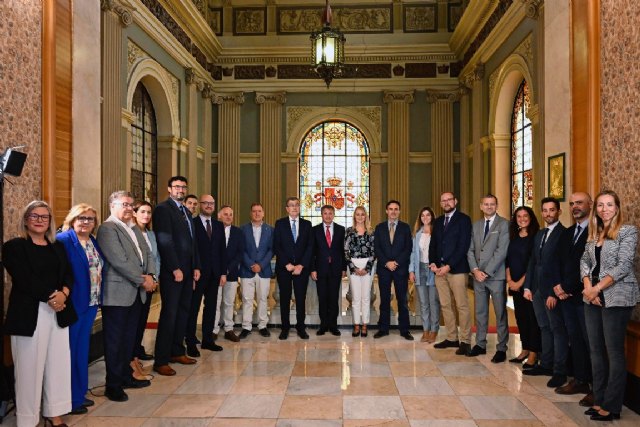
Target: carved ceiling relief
525,50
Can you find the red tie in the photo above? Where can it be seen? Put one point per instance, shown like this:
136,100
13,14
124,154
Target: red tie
328,236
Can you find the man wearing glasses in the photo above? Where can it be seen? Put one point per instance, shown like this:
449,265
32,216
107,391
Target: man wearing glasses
180,269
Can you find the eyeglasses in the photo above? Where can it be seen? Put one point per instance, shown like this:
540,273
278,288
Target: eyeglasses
447,200
35,217
124,204
87,219
180,187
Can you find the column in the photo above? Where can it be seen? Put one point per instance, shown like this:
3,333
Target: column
466,202
271,106
127,119
398,146
539,181
191,169
474,80
441,142
500,147
207,94
229,147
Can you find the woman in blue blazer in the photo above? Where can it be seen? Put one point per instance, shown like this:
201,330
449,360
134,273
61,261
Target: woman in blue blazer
86,262
423,277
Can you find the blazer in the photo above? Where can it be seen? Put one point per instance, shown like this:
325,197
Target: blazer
489,255
616,260
414,264
77,257
322,253
260,254
398,251
235,252
176,246
154,249
542,271
213,252
450,246
122,274
286,250
26,290
569,255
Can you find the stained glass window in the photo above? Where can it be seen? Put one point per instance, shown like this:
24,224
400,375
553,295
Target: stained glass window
334,170
521,151
144,147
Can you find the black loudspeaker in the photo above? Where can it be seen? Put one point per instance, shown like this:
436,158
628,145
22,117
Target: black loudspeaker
12,162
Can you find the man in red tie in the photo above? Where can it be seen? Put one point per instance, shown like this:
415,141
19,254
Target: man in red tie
327,269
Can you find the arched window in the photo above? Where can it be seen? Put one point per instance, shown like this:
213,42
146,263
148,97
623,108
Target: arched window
144,147
334,170
521,151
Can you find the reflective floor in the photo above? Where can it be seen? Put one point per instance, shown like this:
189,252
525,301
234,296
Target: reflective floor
345,381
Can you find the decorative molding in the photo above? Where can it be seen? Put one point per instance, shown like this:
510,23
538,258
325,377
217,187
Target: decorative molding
420,18
532,8
435,95
525,49
475,17
235,97
127,118
207,91
249,72
294,114
398,96
122,8
350,19
372,113
191,77
476,74
249,21
421,70
298,59
277,97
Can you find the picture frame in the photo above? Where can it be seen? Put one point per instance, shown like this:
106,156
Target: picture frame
556,176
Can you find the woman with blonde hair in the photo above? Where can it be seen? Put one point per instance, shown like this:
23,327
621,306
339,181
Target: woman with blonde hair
86,262
359,254
38,318
610,294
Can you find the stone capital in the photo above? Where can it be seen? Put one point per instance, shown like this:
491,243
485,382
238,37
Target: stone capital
475,75
190,76
207,91
399,96
122,8
532,8
434,95
232,97
277,97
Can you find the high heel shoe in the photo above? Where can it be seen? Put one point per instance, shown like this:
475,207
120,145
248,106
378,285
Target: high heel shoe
50,423
519,359
356,331
364,331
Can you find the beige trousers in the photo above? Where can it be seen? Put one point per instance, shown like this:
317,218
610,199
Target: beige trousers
454,287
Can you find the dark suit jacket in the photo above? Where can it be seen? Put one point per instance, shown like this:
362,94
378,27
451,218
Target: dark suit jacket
568,256
213,252
286,250
322,252
542,272
260,255
450,246
399,251
235,251
176,246
27,291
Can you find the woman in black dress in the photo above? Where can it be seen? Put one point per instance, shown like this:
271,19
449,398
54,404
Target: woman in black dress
522,229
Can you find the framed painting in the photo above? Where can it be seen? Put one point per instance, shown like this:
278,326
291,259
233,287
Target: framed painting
555,179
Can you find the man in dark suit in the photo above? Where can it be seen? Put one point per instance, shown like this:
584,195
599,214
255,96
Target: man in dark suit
569,294
393,244
235,249
210,240
328,268
448,249
542,276
292,247
180,267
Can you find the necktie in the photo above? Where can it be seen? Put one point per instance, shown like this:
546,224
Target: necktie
577,235
392,231
544,239
209,232
186,217
486,230
327,234
293,230
446,221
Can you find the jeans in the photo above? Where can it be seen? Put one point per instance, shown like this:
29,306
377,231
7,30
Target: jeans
429,301
607,328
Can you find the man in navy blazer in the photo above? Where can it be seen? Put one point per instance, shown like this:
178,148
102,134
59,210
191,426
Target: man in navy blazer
255,270
179,269
393,245
328,268
210,239
450,242
292,246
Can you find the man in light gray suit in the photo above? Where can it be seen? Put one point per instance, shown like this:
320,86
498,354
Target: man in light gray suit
128,275
486,256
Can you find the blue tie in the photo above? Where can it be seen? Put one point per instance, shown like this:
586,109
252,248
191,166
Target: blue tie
293,230
578,230
187,217
486,230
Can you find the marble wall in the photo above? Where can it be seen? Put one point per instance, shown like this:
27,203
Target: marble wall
620,115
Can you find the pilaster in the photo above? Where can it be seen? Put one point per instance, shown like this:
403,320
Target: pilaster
474,81
466,202
192,131
500,147
207,94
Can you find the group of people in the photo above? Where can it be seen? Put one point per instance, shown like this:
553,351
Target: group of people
572,287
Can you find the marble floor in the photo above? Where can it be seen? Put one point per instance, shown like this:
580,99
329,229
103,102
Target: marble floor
328,381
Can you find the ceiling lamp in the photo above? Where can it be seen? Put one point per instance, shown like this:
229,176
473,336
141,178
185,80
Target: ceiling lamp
327,49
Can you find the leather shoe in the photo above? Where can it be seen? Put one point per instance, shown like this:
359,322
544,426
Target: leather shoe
211,346
335,332
407,336
134,383
145,356
302,334
537,371
183,360
264,332
463,349
192,351
528,366
80,410
591,411
244,333
88,402
380,334
165,370
609,417
573,387
476,351
446,344
557,381
116,394
587,400
284,334
229,335
321,332
499,357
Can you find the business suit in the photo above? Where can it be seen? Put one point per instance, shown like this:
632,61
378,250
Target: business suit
126,262
329,265
542,276
296,252
487,253
449,246
234,251
399,251
252,283
213,256
177,247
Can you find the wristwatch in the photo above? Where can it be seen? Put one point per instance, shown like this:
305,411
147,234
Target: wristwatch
155,279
